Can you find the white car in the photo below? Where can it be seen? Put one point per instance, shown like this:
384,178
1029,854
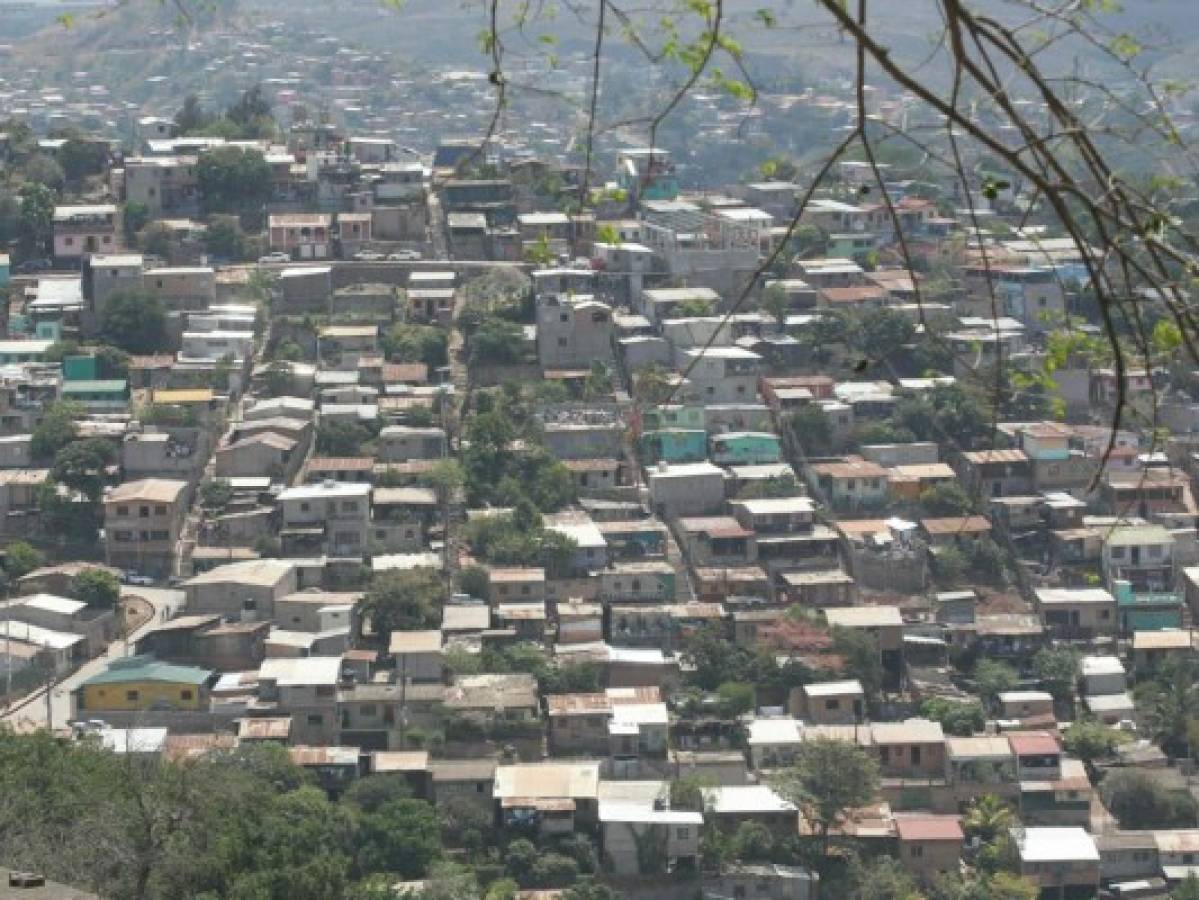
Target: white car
275,258
404,256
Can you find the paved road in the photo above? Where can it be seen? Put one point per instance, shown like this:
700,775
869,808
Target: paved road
31,712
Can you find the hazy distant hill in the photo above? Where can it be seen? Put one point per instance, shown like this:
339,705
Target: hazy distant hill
143,36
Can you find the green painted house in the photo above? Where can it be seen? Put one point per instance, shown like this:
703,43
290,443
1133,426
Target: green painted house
674,445
745,448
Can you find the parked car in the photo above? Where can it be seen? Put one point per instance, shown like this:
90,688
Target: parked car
404,255
275,258
138,579
368,256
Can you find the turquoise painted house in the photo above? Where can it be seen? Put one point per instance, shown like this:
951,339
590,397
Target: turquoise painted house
674,445
677,416
5,271
100,395
745,448
1146,611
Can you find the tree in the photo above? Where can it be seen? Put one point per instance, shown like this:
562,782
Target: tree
880,334
36,223
1169,704
946,414
400,836
156,239
134,217
1138,799
80,466
111,362
950,565
752,842
216,493
21,558
45,171
828,779
135,321
342,438
408,600
65,517
1187,889
496,341
56,429
693,308
884,878
252,113
946,498
81,158
993,678
811,429
473,580
777,304
1057,668
862,659
234,180
735,698
588,890
1090,739
97,588
417,343
652,385
956,717
192,117
988,818
225,239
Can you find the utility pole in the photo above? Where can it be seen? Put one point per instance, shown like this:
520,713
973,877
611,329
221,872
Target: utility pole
49,688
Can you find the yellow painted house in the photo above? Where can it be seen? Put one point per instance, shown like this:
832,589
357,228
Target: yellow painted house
139,683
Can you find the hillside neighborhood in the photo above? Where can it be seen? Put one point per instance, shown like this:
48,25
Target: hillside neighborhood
577,532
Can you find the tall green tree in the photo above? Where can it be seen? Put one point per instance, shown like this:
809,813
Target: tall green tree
56,430
36,223
828,779
234,180
408,600
135,321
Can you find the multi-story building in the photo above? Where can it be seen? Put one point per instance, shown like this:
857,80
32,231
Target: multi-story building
80,231
143,525
332,517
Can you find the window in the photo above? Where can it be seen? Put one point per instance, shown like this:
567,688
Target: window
304,507
122,536
70,242
368,710
316,719
122,510
349,506
143,512
562,342
832,704
917,852
682,833
915,756
185,695
131,696
160,535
